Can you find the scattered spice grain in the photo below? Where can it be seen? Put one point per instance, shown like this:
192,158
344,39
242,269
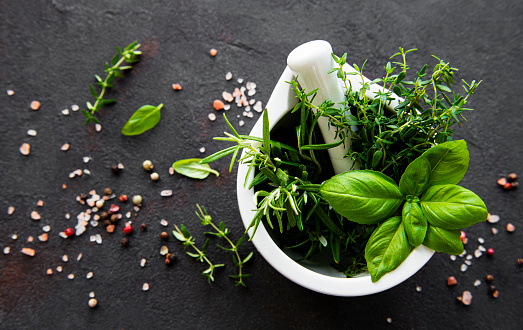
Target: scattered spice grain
35,105
147,165
451,281
29,252
164,235
510,227
25,149
124,242
177,87
155,176
213,52
65,147
35,216
218,105
93,302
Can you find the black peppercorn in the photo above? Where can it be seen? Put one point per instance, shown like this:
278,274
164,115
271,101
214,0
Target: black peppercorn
114,218
490,278
143,226
164,235
124,241
108,191
104,215
107,223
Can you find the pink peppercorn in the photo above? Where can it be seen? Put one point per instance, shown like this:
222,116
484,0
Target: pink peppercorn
123,198
69,232
114,208
128,229
490,251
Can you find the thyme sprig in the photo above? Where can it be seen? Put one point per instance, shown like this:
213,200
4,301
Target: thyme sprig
129,56
187,240
223,232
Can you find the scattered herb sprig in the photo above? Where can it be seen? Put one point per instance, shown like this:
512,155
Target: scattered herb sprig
183,236
128,55
222,232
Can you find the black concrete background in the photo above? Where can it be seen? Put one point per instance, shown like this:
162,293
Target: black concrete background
50,50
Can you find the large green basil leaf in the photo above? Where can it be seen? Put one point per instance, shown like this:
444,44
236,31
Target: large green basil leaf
452,207
415,223
365,197
443,240
449,162
387,248
416,178
142,120
193,168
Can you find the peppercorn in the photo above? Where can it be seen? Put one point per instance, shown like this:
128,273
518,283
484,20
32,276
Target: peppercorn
137,200
451,281
169,258
502,181
490,252
123,198
124,241
490,278
495,294
128,229
93,302
107,222
114,208
507,186
520,261
83,196
515,184
114,218
492,288
104,215
143,226
147,165
512,177
155,176
115,169
69,232
108,191
164,235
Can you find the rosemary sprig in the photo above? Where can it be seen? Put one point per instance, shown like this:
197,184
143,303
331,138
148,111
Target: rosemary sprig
187,240
222,232
129,56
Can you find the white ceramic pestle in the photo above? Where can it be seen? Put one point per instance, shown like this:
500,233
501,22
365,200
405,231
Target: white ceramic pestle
311,63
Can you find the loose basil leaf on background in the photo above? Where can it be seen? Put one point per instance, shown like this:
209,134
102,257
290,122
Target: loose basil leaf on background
387,248
415,223
449,162
416,178
365,197
443,240
193,169
142,120
452,207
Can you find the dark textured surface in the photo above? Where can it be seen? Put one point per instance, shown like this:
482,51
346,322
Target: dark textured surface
49,51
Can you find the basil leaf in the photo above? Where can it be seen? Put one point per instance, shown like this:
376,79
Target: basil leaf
443,240
449,162
142,120
365,197
416,178
452,207
193,169
415,223
387,248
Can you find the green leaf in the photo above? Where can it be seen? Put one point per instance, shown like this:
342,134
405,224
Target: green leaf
266,133
142,120
193,168
93,92
452,207
321,146
414,222
365,197
443,240
247,258
218,155
376,157
178,236
416,178
387,248
449,162
194,255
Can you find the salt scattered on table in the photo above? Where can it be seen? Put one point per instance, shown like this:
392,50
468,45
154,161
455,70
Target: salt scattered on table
7,250
228,76
453,257
65,112
89,275
477,283
142,262
145,287
75,107
493,218
481,240
164,222
464,267
166,193
31,132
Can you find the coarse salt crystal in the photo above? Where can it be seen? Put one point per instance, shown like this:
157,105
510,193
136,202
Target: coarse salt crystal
228,76
46,228
98,238
211,116
164,250
10,210
63,235
145,287
44,237
79,257
241,123
227,96
493,218
494,231
136,208
10,92
92,238
30,239
86,159
389,320
252,101
29,252
59,269
166,193
202,150
142,262
70,276
418,288
68,216
31,132
98,127
463,254
65,258
49,271
258,107
453,257
251,92
227,107
466,298
65,112
65,147
240,80
468,262
469,257
35,215
478,253
75,107
94,223
91,294
482,248
14,236
464,267
35,105
481,240
7,250
86,171
477,283
164,222
89,275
